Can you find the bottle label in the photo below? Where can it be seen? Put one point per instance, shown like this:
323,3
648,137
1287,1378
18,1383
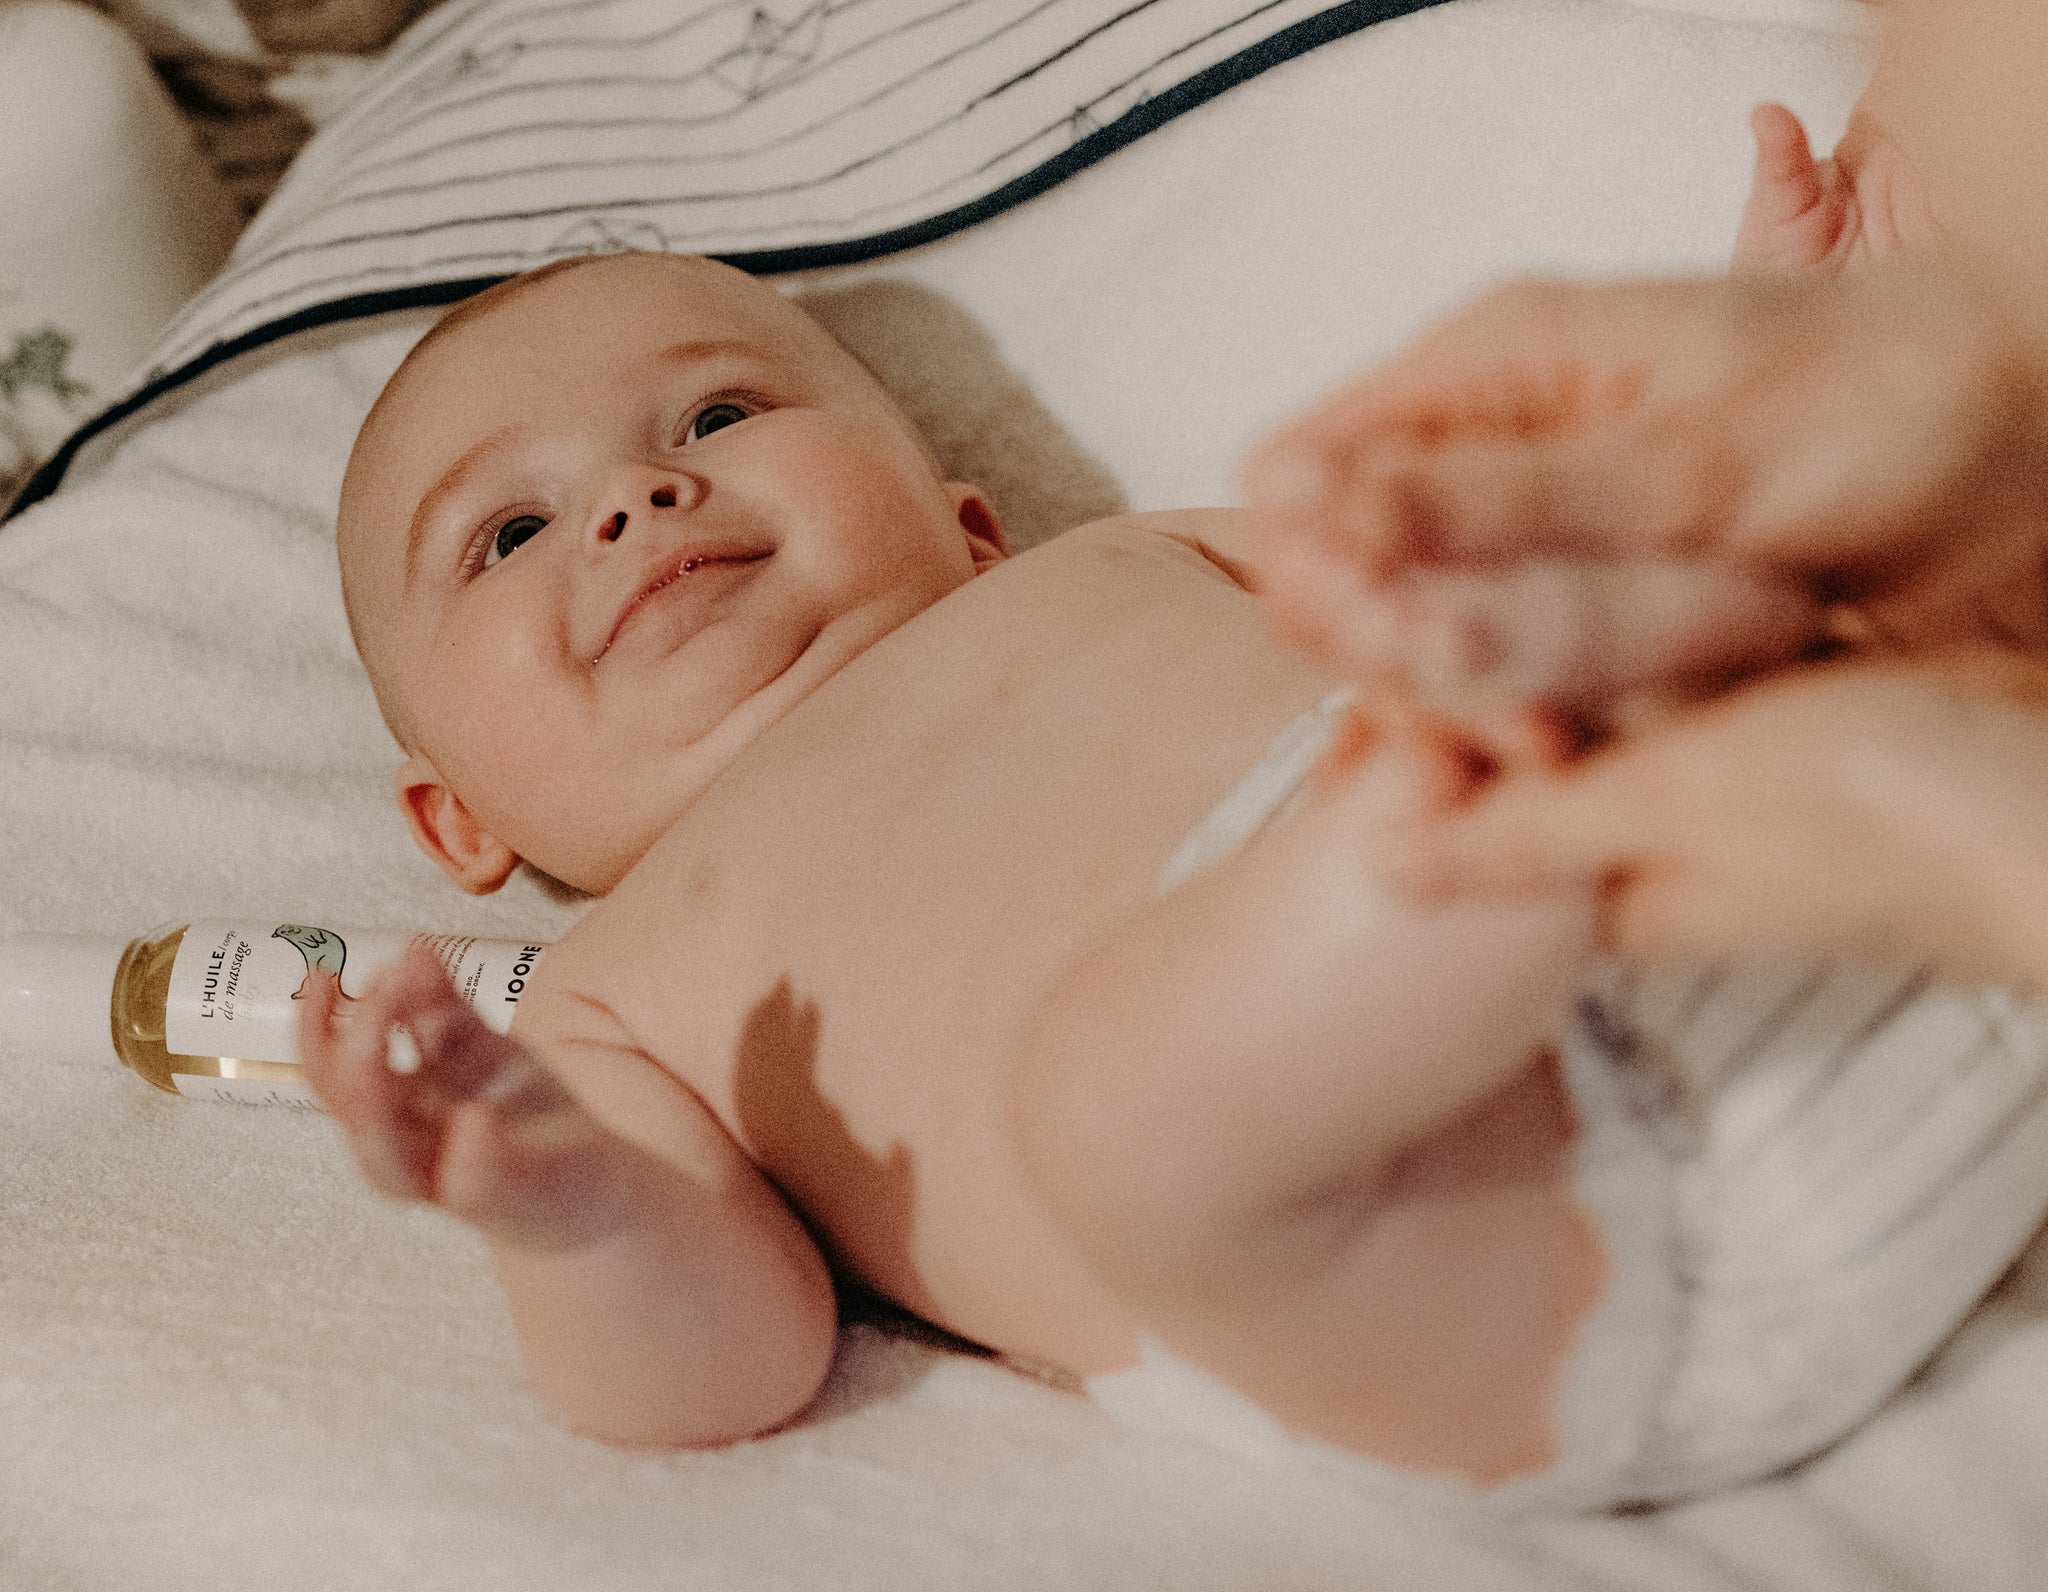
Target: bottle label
248,1091
236,987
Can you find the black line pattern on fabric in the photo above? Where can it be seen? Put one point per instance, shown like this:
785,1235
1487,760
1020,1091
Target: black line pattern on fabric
676,81
650,122
835,223
1032,71
1910,1111
584,211
720,157
1771,1025
1705,989
426,283
1993,1139
228,279
467,180
1887,1012
1611,1035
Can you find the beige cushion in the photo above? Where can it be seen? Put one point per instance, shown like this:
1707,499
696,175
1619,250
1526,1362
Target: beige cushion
109,219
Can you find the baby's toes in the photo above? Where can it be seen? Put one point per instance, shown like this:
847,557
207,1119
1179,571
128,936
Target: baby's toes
1322,598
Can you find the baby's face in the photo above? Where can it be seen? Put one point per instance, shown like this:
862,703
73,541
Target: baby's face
600,537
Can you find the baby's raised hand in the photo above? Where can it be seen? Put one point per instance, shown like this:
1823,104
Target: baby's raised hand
1862,203
439,1107
664,1294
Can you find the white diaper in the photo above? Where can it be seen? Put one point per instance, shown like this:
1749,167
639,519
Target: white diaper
1804,1178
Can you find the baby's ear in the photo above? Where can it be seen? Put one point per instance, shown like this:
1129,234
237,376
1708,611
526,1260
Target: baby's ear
977,517
449,832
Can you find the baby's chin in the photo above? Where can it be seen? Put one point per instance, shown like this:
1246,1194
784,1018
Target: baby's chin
557,890
768,678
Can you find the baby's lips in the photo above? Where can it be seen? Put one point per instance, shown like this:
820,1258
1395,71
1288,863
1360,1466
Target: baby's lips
680,565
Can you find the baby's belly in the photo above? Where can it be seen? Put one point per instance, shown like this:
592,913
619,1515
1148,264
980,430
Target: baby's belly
839,947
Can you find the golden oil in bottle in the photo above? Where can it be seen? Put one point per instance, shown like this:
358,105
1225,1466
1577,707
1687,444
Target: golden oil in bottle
209,1009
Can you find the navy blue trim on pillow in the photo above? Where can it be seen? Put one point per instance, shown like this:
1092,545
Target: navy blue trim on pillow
1141,119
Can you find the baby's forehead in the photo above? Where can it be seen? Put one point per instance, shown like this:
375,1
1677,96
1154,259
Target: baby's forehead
619,305
620,313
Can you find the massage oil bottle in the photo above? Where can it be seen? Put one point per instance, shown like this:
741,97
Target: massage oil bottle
209,1009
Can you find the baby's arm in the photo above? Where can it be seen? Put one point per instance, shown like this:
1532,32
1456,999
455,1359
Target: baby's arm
664,1294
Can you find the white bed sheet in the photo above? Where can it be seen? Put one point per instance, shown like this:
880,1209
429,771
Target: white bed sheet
224,1364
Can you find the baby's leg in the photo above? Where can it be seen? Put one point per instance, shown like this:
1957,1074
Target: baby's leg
1315,1141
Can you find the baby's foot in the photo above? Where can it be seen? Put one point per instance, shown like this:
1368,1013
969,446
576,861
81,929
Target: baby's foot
1523,668
439,1107
1860,204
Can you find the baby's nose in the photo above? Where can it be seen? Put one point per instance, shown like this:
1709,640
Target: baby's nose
662,495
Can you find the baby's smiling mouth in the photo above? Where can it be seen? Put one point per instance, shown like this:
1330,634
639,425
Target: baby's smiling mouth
684,566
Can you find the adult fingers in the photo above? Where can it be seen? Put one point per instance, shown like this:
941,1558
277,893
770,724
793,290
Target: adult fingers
1566,634
1785,180
1580,634
1527,835
1840,430
1528,360
1601,828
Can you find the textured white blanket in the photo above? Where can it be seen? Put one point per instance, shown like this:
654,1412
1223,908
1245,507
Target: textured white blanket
225,1365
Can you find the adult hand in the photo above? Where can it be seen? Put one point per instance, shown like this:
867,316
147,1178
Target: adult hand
1572,493
1893,807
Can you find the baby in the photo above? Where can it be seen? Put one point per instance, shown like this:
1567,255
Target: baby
999,932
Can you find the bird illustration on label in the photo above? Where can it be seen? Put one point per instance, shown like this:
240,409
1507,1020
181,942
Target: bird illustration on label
324,951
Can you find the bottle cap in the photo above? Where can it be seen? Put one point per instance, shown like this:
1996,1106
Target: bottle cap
57,996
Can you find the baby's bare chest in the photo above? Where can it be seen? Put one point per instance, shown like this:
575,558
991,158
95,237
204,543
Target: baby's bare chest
836,948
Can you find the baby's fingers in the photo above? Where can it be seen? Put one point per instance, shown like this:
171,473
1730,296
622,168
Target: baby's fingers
347,1060
438,1038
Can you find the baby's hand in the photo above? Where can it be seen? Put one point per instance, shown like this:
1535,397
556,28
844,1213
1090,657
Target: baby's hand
1862,203
439,1107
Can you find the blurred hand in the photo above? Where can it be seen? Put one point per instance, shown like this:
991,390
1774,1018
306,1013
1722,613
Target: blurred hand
1573,493
1890,808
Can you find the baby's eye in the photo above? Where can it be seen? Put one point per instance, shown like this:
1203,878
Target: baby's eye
514,534
716,417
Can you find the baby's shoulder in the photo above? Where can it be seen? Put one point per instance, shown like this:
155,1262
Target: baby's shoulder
1209,542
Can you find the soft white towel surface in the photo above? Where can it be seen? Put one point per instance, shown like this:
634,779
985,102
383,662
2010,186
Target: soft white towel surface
224,1364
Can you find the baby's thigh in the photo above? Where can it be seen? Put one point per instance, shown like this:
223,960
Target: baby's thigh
1434,1333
